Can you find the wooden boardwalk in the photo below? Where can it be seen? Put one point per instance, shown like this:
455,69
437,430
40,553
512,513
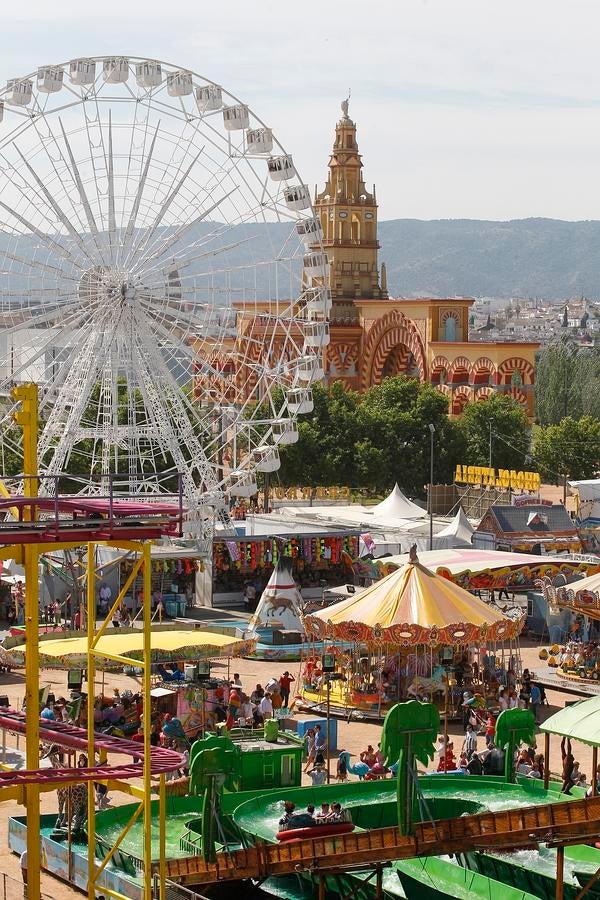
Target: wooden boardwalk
559,823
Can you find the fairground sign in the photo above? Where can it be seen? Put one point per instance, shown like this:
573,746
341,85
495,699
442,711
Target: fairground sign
505,478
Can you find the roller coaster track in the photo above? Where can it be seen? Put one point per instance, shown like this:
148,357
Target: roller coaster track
77,738
569,822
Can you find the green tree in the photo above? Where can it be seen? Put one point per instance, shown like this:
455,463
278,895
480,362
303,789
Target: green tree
567,382
325,451
394,419
570,449
510,432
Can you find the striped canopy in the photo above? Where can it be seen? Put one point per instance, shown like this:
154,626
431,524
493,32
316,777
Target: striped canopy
413,606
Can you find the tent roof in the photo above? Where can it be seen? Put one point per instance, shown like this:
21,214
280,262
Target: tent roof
581,722
280,603
459,528
166,646
458,560
417,600
397,506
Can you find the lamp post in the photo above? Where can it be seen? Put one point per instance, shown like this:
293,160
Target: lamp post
431,434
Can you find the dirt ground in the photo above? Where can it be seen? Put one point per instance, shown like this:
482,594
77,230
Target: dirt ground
351,736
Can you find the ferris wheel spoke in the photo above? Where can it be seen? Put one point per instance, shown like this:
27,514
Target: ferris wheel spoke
112,224
165,206
138,197
179,232
45,238
53,205
76,175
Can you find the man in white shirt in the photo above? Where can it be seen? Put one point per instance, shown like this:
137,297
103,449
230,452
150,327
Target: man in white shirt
265,707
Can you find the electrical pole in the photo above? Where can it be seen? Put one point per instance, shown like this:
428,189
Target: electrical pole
431,434
490,447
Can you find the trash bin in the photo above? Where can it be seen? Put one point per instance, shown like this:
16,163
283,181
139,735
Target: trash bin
171,608
181,604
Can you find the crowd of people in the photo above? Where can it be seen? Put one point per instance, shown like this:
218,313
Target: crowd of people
240,709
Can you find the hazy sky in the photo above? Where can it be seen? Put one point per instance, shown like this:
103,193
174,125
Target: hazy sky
465,108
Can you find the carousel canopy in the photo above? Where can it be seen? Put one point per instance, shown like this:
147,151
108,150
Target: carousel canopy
493,569
167,646
413,605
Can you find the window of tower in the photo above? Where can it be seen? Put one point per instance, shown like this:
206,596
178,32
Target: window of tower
349,141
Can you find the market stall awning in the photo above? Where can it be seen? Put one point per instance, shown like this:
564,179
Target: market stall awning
413,605
580,722
493,569
167,646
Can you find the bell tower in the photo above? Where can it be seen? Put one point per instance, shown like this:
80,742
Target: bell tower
348,214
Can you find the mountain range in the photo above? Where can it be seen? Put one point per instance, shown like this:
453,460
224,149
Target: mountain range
546,258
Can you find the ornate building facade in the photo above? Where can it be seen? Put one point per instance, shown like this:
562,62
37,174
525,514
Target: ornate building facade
373,335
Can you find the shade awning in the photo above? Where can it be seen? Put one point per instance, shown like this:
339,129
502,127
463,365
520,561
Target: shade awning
167,646
580,722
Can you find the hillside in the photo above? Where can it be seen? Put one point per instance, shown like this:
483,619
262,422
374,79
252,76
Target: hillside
525,257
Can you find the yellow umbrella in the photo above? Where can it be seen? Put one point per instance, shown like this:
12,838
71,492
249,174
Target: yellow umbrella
413,606
167,646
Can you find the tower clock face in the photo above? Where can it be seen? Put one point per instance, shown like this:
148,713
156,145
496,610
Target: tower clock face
343,215
369,216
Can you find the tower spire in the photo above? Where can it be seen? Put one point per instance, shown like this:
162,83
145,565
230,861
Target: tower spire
348,214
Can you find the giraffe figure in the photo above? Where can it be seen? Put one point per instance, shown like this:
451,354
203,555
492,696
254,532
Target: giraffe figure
71,798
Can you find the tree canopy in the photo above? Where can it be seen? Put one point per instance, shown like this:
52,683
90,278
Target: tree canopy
374,439
567,382
510,432
570,449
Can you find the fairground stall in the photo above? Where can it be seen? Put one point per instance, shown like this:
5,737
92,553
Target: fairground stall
175,657
415,635
317,560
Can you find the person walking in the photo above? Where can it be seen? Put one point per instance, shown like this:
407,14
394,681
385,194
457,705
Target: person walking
320,742
535,698
285,683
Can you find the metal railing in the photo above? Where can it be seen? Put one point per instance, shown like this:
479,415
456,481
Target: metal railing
13,889
173,891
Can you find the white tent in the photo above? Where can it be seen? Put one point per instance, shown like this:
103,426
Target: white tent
458,533
280,605
396,506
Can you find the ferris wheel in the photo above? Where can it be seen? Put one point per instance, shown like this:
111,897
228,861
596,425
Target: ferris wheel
162,279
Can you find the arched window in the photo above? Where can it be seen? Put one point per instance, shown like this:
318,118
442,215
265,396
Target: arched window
450,329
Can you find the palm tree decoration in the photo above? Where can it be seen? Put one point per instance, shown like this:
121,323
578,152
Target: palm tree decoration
409,733
514,727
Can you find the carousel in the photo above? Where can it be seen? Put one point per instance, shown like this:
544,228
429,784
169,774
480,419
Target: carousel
575,611
414,635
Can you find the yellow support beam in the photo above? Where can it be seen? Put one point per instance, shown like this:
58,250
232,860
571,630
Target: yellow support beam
27,417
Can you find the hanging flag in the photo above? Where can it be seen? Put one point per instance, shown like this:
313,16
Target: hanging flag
368,541
234,550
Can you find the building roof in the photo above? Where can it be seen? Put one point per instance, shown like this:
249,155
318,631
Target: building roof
525,518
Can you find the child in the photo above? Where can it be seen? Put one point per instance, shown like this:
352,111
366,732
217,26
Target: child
490,730
470,742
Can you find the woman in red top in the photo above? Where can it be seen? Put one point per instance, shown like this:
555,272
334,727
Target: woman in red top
490,730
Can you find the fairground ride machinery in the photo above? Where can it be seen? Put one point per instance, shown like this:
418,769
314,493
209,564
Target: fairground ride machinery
61,523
